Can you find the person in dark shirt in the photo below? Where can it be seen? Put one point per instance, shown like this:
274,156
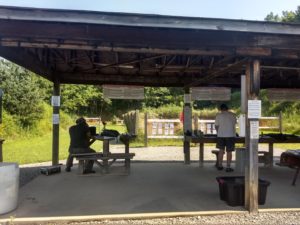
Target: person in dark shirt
81,140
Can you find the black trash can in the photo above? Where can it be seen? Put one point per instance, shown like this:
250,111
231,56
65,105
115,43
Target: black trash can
232,190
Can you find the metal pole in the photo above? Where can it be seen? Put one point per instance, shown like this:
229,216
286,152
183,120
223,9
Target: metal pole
55,127
187,125
1,154
146,130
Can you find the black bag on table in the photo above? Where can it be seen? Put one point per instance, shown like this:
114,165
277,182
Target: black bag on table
110,133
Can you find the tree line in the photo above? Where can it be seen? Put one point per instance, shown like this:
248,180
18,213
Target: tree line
25,93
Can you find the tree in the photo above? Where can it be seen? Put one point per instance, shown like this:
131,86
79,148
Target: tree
83,99
287,16
156,97
22,97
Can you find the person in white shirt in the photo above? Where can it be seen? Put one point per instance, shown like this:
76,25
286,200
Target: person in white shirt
225,125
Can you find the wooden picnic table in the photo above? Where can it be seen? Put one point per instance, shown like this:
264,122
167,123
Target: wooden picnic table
264,139
105,141
103,159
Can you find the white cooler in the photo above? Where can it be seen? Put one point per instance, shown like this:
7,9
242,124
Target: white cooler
9,186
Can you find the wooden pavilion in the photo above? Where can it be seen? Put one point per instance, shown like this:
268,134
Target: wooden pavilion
83,47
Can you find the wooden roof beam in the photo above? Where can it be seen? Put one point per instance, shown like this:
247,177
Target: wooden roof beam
27,60
213,74
157,80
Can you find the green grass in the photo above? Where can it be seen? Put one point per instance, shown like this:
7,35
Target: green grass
34,149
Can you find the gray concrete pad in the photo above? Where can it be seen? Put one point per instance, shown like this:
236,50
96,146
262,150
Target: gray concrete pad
151,187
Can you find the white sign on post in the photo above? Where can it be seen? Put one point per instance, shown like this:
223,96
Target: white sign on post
187,98
254,130
55,101
55,118
254,109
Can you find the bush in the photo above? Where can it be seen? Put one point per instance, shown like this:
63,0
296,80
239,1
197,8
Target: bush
165,112
10,127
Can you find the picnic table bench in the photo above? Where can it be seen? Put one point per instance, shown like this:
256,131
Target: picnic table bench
104,161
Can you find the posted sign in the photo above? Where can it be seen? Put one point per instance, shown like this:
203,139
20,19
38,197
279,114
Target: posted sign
254,109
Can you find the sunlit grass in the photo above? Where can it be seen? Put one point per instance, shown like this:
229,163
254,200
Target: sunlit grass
24,149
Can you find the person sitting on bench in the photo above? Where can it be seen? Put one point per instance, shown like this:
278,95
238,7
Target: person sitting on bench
81,140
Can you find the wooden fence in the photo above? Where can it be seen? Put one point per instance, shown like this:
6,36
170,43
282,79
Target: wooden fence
161,128
265,123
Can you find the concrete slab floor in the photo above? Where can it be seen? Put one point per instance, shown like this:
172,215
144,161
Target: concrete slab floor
151,187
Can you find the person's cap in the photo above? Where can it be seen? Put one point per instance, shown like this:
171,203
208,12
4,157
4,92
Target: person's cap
80,120
223,107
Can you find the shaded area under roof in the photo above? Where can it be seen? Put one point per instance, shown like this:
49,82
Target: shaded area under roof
134,49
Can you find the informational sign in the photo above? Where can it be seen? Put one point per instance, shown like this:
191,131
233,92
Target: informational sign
166,128
55,101
254,130
154,128
171,128
254,109
55,118
160,128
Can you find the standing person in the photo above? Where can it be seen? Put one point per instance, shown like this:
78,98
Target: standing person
225,126
81,140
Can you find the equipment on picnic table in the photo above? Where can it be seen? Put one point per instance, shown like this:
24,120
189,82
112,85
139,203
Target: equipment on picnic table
50,170
110,133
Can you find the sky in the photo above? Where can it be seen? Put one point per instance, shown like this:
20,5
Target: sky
230,9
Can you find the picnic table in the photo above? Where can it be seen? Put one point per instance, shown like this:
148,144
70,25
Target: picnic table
105,158
263,139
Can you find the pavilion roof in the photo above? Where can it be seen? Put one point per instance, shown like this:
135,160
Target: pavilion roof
135,49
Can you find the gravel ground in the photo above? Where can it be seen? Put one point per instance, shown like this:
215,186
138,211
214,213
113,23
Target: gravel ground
277,218
30,171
